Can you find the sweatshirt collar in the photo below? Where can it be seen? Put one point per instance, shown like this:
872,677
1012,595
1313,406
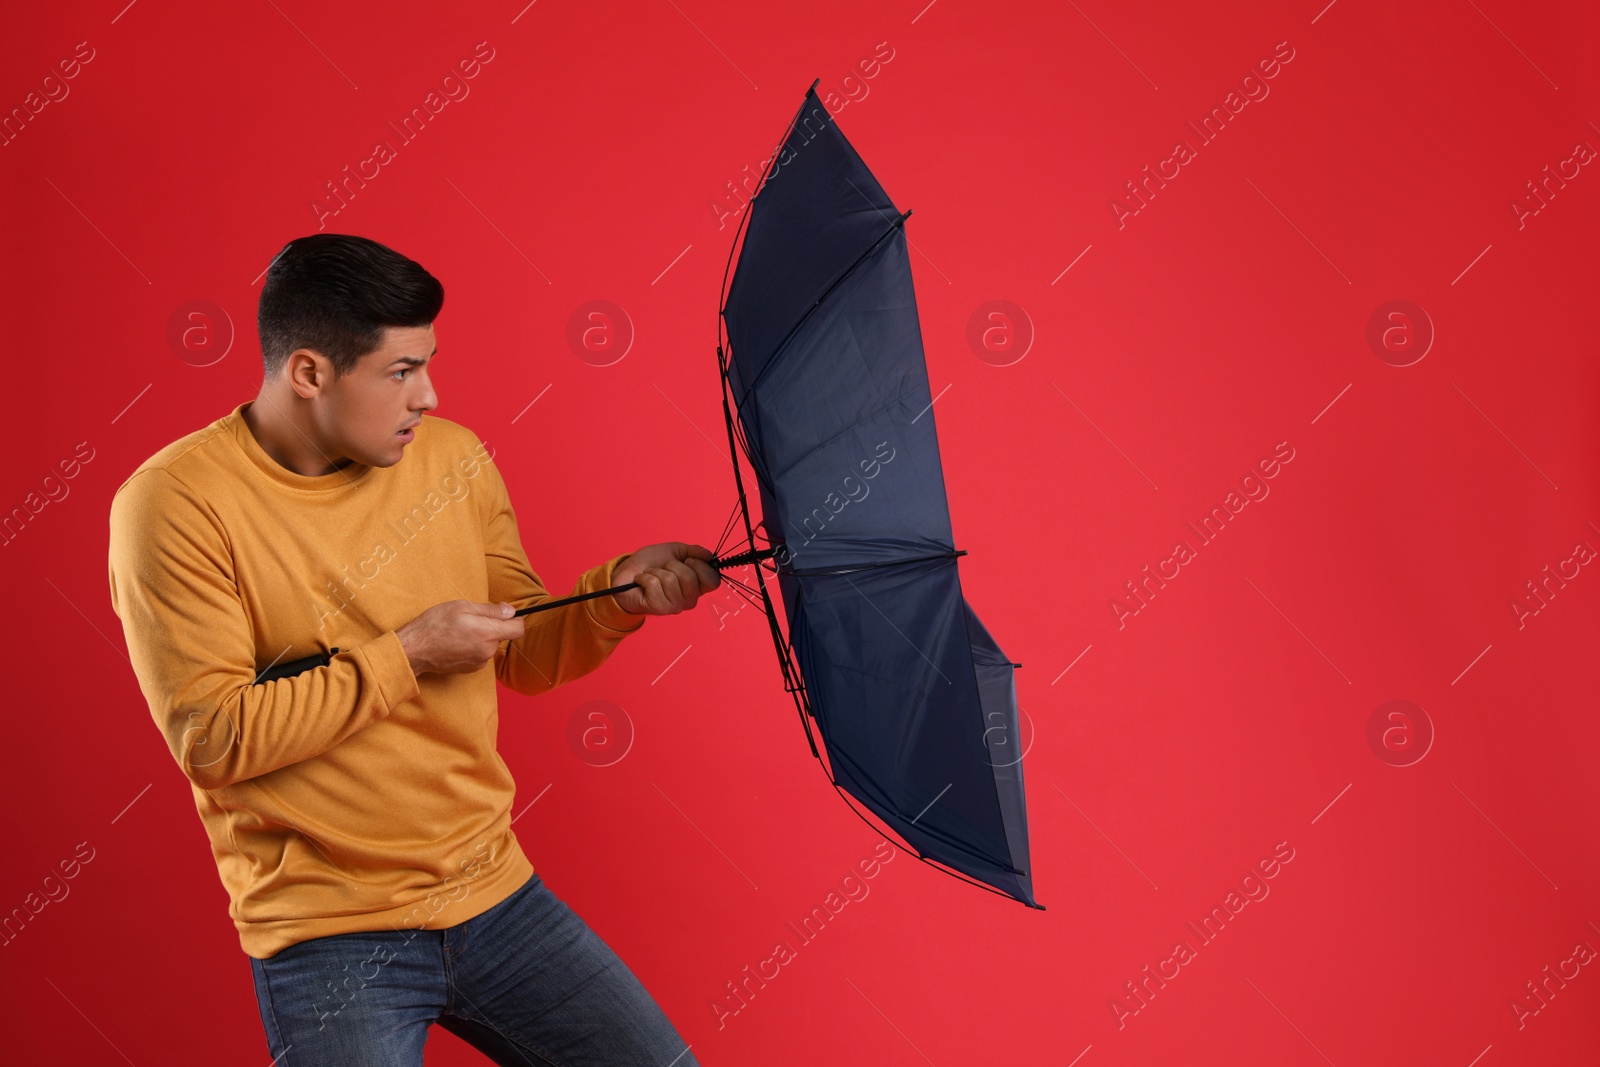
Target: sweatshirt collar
352,474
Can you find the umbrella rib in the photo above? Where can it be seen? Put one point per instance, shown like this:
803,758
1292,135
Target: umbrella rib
783,344
736,434
744,590
750,597
885,214
722,297
851,568
728,528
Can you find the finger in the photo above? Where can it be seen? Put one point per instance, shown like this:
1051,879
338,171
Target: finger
650,590
696,552
705,575
708,575
689,588
671,591
633,598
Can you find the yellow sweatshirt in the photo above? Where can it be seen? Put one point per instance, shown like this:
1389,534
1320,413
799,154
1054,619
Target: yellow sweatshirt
355,796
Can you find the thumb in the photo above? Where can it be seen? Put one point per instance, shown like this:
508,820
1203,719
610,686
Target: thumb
506,610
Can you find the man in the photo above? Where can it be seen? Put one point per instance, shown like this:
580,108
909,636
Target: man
358,811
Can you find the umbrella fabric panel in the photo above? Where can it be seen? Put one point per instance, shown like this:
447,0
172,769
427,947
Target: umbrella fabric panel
819,209
842,428
889,669
1002,735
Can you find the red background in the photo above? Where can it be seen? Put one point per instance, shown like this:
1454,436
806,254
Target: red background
1228,315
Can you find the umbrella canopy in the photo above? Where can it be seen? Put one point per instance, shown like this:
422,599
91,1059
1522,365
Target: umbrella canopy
826,389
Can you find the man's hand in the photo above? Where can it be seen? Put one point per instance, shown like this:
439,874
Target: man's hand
671,577
458,636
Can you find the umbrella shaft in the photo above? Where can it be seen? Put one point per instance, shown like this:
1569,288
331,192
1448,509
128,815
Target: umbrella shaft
737,560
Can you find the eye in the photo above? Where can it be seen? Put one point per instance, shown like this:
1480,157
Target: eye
401,373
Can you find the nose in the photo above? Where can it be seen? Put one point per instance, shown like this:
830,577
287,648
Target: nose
428,399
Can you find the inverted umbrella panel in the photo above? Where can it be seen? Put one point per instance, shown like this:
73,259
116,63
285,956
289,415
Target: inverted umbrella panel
825,390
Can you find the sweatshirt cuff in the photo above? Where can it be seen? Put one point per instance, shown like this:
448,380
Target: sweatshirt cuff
386,659
604,610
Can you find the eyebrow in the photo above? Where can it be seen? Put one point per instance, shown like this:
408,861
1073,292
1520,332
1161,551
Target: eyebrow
413,360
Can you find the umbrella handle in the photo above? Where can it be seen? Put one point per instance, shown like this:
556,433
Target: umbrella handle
296,666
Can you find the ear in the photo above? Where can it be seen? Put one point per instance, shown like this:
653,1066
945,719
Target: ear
310,373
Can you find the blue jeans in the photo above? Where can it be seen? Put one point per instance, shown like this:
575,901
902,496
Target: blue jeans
526,983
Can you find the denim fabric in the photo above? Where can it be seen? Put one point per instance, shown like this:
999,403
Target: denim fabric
527,983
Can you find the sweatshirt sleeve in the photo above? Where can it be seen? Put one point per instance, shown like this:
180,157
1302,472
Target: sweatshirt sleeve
192,648
560,644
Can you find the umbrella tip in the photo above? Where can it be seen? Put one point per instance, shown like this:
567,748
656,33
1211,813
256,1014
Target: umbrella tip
813,86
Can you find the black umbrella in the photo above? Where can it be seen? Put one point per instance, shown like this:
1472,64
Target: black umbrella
825,390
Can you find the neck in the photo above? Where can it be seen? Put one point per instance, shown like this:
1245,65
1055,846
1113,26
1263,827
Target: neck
280,428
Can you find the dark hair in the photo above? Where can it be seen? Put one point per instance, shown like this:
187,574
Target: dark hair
335,293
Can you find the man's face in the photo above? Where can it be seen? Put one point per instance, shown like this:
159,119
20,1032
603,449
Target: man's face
387,392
